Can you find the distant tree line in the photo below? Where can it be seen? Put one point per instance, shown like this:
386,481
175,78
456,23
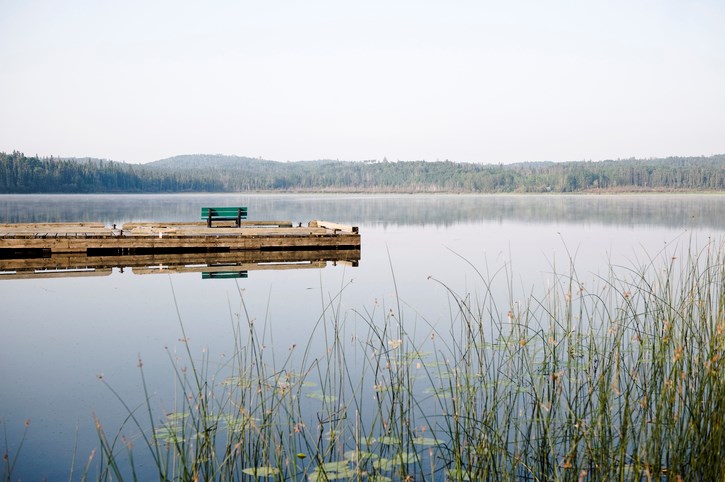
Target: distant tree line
215,173
21,174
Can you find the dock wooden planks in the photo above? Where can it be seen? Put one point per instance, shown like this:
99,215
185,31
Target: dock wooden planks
175,237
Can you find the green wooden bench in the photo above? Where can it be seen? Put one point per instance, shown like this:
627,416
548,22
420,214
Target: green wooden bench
224,214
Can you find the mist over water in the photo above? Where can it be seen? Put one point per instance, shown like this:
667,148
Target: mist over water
686,211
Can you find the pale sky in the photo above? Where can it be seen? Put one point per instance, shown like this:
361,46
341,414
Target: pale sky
473,81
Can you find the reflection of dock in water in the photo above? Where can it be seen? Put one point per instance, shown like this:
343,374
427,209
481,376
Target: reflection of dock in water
49,250
231,264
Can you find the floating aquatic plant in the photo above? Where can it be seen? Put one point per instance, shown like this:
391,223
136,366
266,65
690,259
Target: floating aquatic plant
263,471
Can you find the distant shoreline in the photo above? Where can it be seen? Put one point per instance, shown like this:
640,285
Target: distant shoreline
234,174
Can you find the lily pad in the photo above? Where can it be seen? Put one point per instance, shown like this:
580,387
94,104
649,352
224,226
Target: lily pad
406,458
458,474
237,382
389,440
360,457
321,396
396,461
177,416
415,355
379,478
331,471
338,466
442,392
425,441
369,440
168,434
265,471
383,464
333,435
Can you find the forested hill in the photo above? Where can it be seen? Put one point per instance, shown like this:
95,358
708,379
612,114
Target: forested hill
217,173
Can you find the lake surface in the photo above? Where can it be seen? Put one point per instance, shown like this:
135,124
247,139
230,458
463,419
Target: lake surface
59,336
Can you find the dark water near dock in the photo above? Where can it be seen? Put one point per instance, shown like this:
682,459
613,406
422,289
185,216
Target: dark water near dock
58,336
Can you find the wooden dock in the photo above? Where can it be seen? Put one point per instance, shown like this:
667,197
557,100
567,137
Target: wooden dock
21,240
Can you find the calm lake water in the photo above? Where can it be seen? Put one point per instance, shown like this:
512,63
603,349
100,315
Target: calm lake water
57,336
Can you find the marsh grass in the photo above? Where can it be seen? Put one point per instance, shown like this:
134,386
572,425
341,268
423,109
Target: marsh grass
617,379
11,458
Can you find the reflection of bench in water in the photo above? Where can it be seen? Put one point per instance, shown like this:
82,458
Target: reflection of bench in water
223,274
224,214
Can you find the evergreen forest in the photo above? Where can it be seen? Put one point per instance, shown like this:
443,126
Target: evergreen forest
217,173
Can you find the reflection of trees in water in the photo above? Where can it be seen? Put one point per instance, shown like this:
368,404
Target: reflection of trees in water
680,211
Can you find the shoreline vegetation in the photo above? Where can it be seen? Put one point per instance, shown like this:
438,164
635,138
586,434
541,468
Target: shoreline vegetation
620,379
20,174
